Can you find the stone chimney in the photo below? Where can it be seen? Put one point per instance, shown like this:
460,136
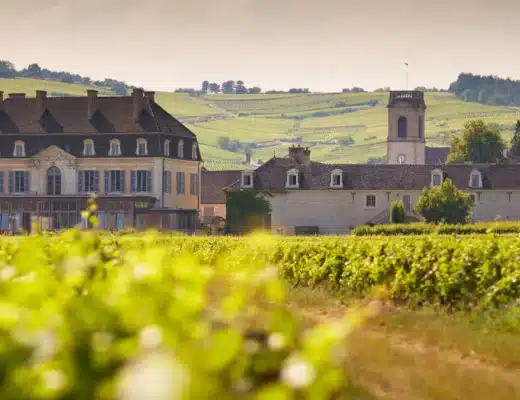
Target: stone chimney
17,95
92,102
41,95
302,155
150,96
138,94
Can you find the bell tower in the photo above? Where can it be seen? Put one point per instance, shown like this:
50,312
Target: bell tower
406,112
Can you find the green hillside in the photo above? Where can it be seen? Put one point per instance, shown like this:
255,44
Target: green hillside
342,127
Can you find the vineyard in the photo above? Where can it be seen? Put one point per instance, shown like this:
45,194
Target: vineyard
90,315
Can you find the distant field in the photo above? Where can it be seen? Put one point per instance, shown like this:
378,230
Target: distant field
324,121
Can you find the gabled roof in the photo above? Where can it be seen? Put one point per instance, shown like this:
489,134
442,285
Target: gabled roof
213,184
70,115
316,176
436,155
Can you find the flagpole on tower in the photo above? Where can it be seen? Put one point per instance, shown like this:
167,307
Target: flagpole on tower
406,75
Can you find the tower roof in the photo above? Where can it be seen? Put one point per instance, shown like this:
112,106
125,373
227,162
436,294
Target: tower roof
413,98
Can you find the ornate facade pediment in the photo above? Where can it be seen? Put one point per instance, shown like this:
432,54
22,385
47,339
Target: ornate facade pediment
53,155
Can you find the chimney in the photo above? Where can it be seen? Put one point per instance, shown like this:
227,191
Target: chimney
17,95
150,96
41,95
138,102
248,157
92,102
302,155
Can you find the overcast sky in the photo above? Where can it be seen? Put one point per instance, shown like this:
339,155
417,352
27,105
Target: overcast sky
323,45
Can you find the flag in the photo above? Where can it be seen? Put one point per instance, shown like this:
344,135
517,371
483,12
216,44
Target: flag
406,64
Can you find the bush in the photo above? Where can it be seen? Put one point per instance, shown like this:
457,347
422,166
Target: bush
88,315
397,212
445,203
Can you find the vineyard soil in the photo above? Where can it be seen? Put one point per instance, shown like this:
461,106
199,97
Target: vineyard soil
422,354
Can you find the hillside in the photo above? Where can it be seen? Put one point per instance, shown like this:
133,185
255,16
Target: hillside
342,127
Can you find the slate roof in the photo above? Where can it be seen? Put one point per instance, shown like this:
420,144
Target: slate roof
70,115
436,155
316,176
213,184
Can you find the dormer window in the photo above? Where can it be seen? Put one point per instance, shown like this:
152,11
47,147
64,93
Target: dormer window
115,148
142,148
194,151
88,147
436,177
292,179
180,149
247,180
475,179
336,179
167,148
19,149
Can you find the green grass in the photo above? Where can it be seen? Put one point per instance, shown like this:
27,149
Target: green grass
267,118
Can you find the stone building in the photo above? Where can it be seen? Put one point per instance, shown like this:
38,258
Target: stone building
142,164
314,197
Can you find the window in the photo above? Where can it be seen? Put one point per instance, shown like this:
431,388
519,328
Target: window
180,183
401,127
292,178
180,149
115,148
19,149
4,221
115,181
166,147
436,177
88,147
421,126
88,181
141,181
194,184
407,202
142,149
194,155
167,184
247,180
1,181
336,178
475,180
18,182
54,181
370,201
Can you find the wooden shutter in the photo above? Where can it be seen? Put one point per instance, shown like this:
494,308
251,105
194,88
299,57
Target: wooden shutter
183,185
122,178
107,181
148,181
81,183
1,181
96,181
26,181
134,181
11,181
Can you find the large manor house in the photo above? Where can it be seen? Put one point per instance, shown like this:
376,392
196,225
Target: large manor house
145,171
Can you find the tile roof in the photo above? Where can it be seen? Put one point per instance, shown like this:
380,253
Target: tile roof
70,115
213,184
436,155
316,176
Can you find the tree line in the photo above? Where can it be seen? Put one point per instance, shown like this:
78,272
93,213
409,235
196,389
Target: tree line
489,89
8,71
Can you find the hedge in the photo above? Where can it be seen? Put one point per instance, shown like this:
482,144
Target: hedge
441,229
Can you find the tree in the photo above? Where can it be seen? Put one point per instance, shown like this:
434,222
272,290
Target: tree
34,71
255,90
7,69
397,212
205,87
247,210
240,88
445,203
228,87
479,143
214,87
514,150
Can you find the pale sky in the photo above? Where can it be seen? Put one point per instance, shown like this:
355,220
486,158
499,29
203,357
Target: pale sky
323,45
